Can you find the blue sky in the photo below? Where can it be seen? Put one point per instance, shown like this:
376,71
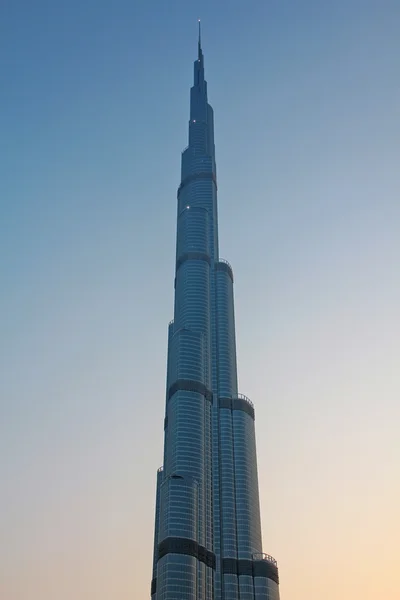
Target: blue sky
95,101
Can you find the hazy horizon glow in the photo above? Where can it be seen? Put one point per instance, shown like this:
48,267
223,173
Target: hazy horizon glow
95,104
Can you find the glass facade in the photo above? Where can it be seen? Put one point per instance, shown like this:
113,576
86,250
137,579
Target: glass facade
207,540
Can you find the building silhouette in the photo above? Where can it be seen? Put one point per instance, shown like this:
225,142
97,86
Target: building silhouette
207,543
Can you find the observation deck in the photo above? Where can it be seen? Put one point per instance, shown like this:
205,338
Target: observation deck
246,399
223,265
239,402
265,557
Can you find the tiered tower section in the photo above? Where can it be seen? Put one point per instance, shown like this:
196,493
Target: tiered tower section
207,543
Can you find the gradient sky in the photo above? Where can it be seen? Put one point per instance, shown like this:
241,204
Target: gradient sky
94,113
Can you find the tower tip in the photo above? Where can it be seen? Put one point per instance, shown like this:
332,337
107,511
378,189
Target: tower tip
199,22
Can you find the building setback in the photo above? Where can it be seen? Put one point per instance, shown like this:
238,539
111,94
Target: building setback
207,542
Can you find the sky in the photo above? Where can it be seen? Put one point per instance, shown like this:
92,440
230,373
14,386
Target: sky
94,114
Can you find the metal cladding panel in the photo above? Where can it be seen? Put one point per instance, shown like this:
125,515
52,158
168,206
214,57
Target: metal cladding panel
227,370
246,587
192,297
198,134
193,230
179,507
157,521
216,503
177,577
192,305
170,334
227,485
231,587
188,452
186,435
265,589
246,483
187,356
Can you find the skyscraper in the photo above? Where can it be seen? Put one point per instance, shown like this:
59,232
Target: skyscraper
207,543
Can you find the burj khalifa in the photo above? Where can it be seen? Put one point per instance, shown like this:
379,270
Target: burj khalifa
207,542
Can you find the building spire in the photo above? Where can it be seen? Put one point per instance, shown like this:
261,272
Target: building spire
199,43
